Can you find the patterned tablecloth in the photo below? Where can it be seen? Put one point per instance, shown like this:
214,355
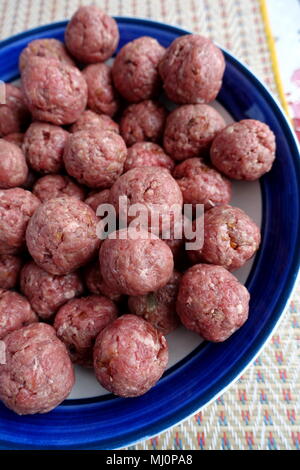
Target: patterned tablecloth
262,409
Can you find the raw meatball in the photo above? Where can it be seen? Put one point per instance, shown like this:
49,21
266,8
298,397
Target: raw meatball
201,184
61,235
102,97
38,374
153,187
158,308
130,356
54,92
15,312
147,154
79,322
95,199
212,302
192,70
190,130
10,267
16,207
95,158
230,237
144,121
44,147
16,138
13,167
53,186
95,283
135,69
47,292
91,36
47,48
14,115
244,150
135,262
89,120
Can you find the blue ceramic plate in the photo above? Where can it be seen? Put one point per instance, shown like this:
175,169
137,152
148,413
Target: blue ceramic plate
109,422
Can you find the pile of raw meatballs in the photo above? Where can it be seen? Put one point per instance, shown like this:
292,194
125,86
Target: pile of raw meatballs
66,297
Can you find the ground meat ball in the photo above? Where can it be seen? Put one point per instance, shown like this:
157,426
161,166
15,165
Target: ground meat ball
15,312
244,150
16,207
54,92
144,121
10,267
230,237
153,187
91,36
14,115
13,167
44,147
16,138
61,236
192,70
95,283
89,120
47,48
102,97
130,356
53,186
158,308
47,292
95,199
136,265
190,130
38,374
212,302
147,154
79,322
201,184
95,158
135,71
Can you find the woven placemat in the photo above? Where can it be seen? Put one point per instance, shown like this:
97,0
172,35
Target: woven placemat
261,410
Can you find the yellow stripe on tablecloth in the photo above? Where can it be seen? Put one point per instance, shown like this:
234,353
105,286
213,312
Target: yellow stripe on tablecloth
273,55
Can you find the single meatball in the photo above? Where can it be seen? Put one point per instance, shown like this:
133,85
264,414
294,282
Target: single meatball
16,207
91,36
89,120
54,91
79,322
15,312
158,308
95,282
44,147
38,373
47,292
135,69
53,186
16,138
230,237
147,154
102,97
13,167
130,356
244,150
192,70
61,235
95,199
190,130
135,262
201,184
95,158
46,48
14,115
141,122
152,187
212,302
10,267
